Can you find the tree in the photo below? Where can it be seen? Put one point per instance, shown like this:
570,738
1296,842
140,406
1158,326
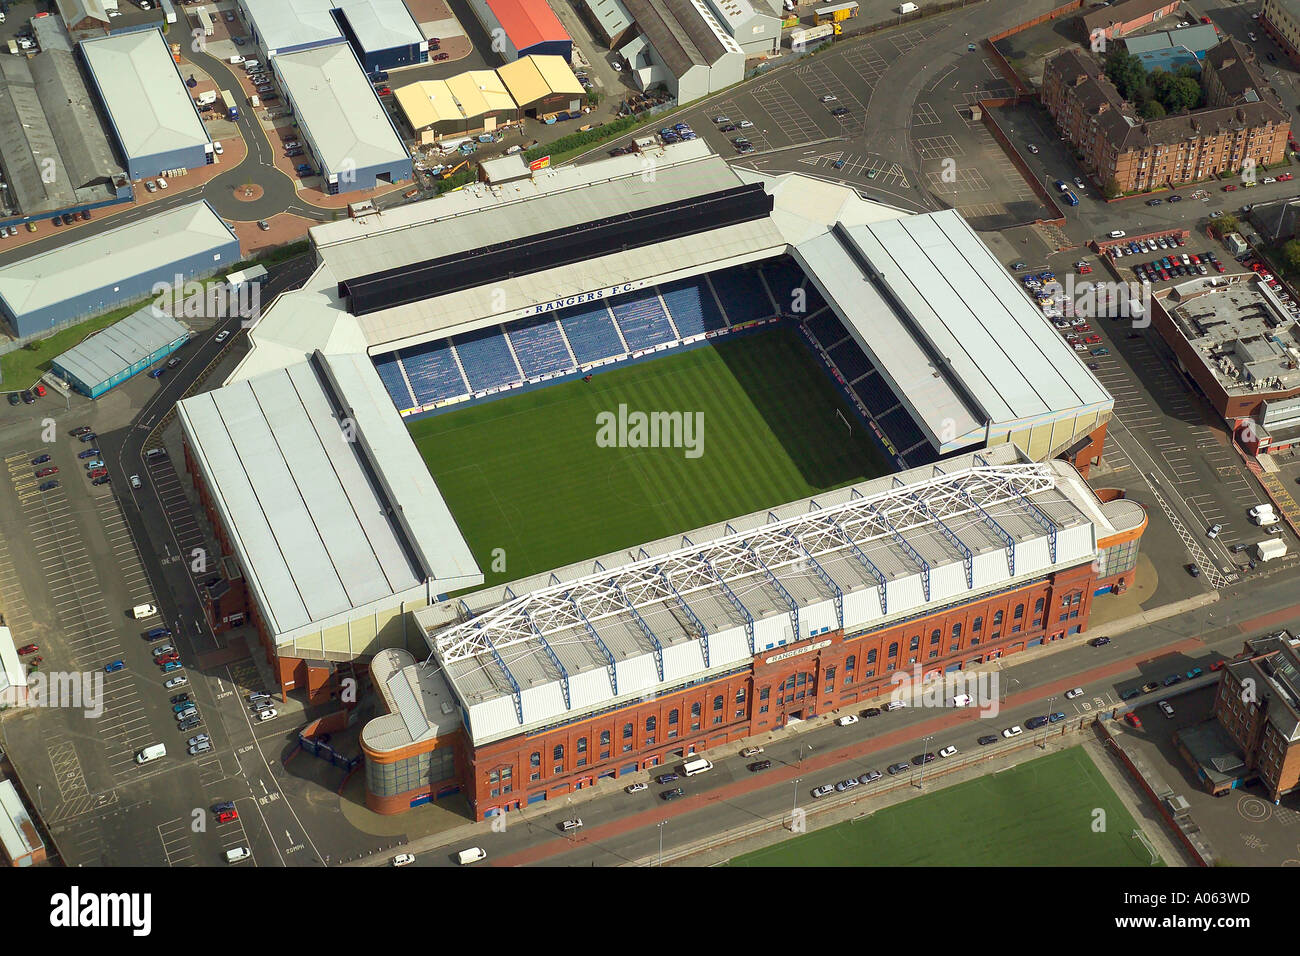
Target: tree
1151,109
1291,256
1126,71
1225,224
1112,189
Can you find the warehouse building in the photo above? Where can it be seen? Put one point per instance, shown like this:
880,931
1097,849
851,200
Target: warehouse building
754,27
13,672
109,269
19,838
318,493
54,147
609,21
341,118
382,33
151,112
682,46
526,26
472,102
637,659
85,18
543,84
1122,18
111,356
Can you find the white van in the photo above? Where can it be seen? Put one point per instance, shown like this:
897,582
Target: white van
895,704
1260,513
152,752
1267,518
236,59
698,765
237,854
472,855
907,8
143,610
250,66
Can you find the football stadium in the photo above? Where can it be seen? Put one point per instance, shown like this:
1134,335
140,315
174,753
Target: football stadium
703,433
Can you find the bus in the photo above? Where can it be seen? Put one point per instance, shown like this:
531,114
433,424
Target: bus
232,111
843,11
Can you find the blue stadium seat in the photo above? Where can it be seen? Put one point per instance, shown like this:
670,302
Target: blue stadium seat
692,306
591,332
850,360
391,375
486,359
828,328
876,394
642,319
813,301
539,346
901,429
742,295
433,373
783,276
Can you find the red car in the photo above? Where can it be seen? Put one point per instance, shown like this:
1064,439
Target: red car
97,473
29,649
1230,188
167,658
1085,270
1285,177
1217,665
1133,719
1093,340
225,816
385,91
46,472
39,390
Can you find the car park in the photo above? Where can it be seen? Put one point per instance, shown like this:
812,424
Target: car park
1032,148
921,759
46,472
180,699
1131,693
1055,717
94,463
1194,673
87,438
40,459
88,453
101,480
1033,723
840,111
172,666
28,649
1149,686
1213,530
258,706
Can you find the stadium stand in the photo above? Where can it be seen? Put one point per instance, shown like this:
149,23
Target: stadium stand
876,394
486,359
850,360
692,307
828,329
591,332
783,276
742,295
901,429
433,372
539,346
642,318
390,373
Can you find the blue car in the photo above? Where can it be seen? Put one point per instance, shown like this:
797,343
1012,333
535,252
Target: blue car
87,438
96,463
1194,673
1056,716
157,372
172,666
115,666
183,705
49,485
40,459
158,632
88,453
239,41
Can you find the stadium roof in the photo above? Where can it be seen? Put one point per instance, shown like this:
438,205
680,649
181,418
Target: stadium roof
528,22
531,78
282,24
336,103
115,349
105,258
329,507
591,636
953,331
146,98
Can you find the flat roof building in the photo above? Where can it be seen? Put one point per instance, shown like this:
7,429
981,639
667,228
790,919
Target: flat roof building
19,838
151,112
336,524
111,356
382,33
526,26
341,117
109,269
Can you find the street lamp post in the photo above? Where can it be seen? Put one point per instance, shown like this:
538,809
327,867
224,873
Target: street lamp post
794,812
661,841
801,747
1006,687
925,749
1049,722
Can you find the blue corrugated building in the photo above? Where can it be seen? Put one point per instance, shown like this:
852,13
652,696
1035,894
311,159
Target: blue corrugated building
1173,48
113,355
112,268
382,33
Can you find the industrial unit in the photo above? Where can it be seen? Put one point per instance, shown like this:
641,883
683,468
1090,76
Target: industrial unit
526,26
106,270
341,118
543,84
381,32
470,102
111,356
684,47
151,112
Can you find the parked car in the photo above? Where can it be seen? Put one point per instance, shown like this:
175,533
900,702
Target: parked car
870,712
870,776
1133,720
847,719
1071,694
672,794
751,751
1013,731
636,787
758,765
897,768
114,666
987,739
947,751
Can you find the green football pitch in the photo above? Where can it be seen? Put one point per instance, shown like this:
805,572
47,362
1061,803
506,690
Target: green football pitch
1057,810
526,475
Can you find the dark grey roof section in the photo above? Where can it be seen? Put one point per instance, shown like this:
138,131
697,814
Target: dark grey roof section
678,30
78,126
26,142
118,347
